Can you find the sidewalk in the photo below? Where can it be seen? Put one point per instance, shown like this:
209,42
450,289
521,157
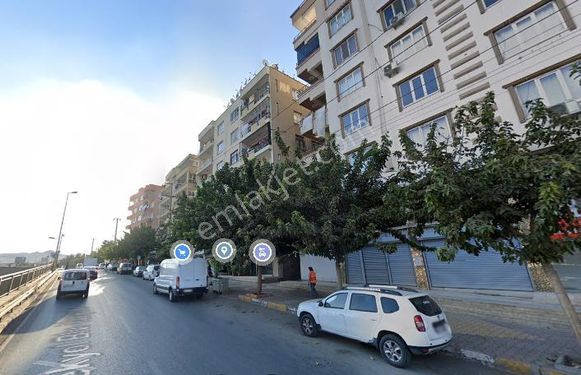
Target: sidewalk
513,330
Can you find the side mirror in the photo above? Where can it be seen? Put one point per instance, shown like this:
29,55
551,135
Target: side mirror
320,303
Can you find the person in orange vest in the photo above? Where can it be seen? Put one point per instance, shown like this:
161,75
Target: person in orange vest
313,283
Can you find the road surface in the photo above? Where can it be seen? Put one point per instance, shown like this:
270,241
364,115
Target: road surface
122,328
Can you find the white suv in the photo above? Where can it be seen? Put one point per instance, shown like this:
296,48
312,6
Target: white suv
399,321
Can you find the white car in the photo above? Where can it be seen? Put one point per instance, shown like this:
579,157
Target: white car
176,279
151,272
398,321
73,281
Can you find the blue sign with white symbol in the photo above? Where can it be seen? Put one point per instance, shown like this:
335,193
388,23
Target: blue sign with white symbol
182,252
262,252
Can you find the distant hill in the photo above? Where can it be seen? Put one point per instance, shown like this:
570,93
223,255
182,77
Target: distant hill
32,257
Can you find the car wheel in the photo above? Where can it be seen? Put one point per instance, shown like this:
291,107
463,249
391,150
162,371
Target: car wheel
395,351
154,289
309,326
171,296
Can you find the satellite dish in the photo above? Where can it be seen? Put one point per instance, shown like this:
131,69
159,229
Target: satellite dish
265,62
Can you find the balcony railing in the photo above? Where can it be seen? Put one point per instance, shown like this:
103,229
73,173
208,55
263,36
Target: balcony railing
206,163
315,122
305,30
258,146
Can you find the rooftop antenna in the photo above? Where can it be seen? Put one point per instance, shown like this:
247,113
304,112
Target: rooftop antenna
265,62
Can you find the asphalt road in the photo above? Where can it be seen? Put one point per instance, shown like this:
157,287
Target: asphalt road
122,328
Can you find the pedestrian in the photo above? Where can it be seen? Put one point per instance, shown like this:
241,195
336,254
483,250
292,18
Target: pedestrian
313,283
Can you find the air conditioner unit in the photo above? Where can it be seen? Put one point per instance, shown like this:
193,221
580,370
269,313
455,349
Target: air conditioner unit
397,20
391,69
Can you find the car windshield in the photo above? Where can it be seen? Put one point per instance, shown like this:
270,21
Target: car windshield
404,174
426,305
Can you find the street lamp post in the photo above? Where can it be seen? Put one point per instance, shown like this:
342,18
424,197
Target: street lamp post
59,238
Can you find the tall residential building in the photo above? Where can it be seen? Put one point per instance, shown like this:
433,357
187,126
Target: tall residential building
247,127
144,207
180,180
380,67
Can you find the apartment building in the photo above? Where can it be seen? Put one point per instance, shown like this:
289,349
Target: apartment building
380,67
144,207
182,179
265,103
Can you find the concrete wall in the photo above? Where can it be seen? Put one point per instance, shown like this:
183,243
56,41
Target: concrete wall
324,267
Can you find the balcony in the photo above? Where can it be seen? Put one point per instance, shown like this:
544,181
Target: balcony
257,143
205,164
308,49
204,147
254,100
315,123
314,96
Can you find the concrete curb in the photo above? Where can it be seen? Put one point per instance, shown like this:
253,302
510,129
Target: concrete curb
511,365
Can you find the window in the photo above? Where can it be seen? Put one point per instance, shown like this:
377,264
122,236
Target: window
235,135
409,44
350,82
220,128
363,302
340,19
336,301
352,156
235,114
419,134
555,88
220,165
234,157
356,119
345,50
300,143
426,305
329,2
489,3
418,87
395,8
539,25
304,50
389,305
220,147
78,275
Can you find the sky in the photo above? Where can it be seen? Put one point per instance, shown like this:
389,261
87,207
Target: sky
105,96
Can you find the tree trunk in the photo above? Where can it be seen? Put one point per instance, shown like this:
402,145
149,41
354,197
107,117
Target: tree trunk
339,274
564,300
258,280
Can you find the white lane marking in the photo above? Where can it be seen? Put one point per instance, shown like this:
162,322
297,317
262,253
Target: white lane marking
154,368
11,336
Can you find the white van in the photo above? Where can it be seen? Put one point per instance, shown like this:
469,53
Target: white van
177,279
75,281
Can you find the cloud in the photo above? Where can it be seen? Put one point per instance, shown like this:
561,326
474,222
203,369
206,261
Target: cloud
103,140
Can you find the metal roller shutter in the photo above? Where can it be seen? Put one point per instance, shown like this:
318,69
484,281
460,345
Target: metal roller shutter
354,269
375,266
401,266
486,271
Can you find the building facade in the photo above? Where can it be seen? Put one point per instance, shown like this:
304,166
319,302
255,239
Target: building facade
266,103
144,207
379,67
182,179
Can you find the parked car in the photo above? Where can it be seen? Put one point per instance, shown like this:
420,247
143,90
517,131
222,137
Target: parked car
176,279
112,266
138,271
92,272
124,268
101,266
398,321
73,281
151,272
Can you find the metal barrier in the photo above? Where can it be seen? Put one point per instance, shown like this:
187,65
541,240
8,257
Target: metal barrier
14,281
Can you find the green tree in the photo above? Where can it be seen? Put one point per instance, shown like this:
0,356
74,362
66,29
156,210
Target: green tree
332,212
493,187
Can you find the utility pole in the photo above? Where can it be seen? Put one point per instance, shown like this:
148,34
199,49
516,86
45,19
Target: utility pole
116,220
92,244
59,238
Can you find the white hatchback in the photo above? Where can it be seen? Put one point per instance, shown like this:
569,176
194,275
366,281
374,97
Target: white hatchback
74,281
398,321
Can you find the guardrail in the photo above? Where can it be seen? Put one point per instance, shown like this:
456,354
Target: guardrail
9,307
14,281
